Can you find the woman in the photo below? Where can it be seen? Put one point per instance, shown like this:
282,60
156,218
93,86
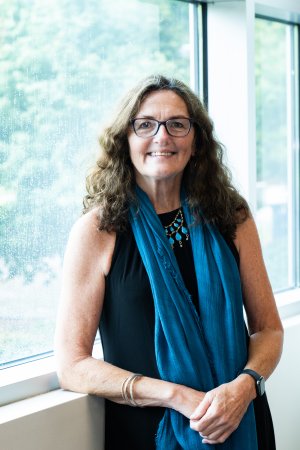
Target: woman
164,258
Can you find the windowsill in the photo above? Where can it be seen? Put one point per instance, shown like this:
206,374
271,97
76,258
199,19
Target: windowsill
37,404
27,380
288,303
58,419
31,379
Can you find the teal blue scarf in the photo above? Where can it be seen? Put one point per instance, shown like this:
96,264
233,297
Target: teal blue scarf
201,351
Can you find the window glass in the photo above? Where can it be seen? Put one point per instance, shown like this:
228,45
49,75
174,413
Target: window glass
63,64
276,130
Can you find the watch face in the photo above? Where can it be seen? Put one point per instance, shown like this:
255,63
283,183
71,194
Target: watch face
261,386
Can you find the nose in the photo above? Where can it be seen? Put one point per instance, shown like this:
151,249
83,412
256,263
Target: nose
162,132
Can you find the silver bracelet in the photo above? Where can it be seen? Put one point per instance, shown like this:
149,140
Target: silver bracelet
133,379
129,382
124,389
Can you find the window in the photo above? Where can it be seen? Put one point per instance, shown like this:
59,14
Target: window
63,64
277,160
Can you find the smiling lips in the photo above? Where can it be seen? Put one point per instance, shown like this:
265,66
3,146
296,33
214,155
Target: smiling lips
161,153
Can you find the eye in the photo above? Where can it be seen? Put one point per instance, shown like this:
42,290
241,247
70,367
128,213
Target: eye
144,124
176,124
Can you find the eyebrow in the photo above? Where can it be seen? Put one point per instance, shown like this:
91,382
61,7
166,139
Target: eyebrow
178,116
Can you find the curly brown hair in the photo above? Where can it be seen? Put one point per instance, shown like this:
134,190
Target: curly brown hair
206,179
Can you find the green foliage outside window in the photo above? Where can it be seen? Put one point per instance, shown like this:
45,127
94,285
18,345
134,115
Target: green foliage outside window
63,64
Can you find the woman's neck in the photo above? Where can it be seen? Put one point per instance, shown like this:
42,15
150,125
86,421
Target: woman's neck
164,196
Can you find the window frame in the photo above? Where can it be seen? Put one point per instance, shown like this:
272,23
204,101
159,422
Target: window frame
288,11
293,159
235,120
36,375
195,26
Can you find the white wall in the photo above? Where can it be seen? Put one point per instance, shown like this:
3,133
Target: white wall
283,389
54,421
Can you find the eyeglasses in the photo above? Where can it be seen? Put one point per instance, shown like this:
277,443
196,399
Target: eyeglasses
177,127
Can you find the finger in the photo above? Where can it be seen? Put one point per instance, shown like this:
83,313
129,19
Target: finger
213,431
206,424
203,425
201,409
216,438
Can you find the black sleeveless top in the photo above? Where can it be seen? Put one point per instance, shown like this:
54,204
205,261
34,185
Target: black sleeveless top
127,335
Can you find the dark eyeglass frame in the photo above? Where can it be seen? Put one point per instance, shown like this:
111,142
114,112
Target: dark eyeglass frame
165,123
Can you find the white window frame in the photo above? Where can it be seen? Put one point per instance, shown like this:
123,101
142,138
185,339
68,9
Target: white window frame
231,78
31,377
292,152
288,11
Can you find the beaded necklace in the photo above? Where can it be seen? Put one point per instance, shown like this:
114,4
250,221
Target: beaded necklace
177,230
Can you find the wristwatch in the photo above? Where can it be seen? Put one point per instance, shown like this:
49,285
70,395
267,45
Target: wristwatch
259,381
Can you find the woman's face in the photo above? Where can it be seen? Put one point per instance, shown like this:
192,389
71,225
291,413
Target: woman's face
161,157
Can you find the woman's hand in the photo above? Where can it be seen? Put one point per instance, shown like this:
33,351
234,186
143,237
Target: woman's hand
184,399
222,409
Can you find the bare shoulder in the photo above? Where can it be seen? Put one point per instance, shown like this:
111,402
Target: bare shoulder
87,243
87,260
247,237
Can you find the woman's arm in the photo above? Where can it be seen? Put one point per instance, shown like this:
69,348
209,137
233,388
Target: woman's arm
265,328
223,408
87,261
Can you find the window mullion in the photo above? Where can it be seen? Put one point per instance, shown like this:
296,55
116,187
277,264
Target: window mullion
296,154
291,100
194,48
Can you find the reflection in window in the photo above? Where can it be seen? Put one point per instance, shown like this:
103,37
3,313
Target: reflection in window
276,146
62,65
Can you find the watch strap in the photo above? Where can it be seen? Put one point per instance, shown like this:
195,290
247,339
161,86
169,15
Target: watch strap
259,380
251,372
